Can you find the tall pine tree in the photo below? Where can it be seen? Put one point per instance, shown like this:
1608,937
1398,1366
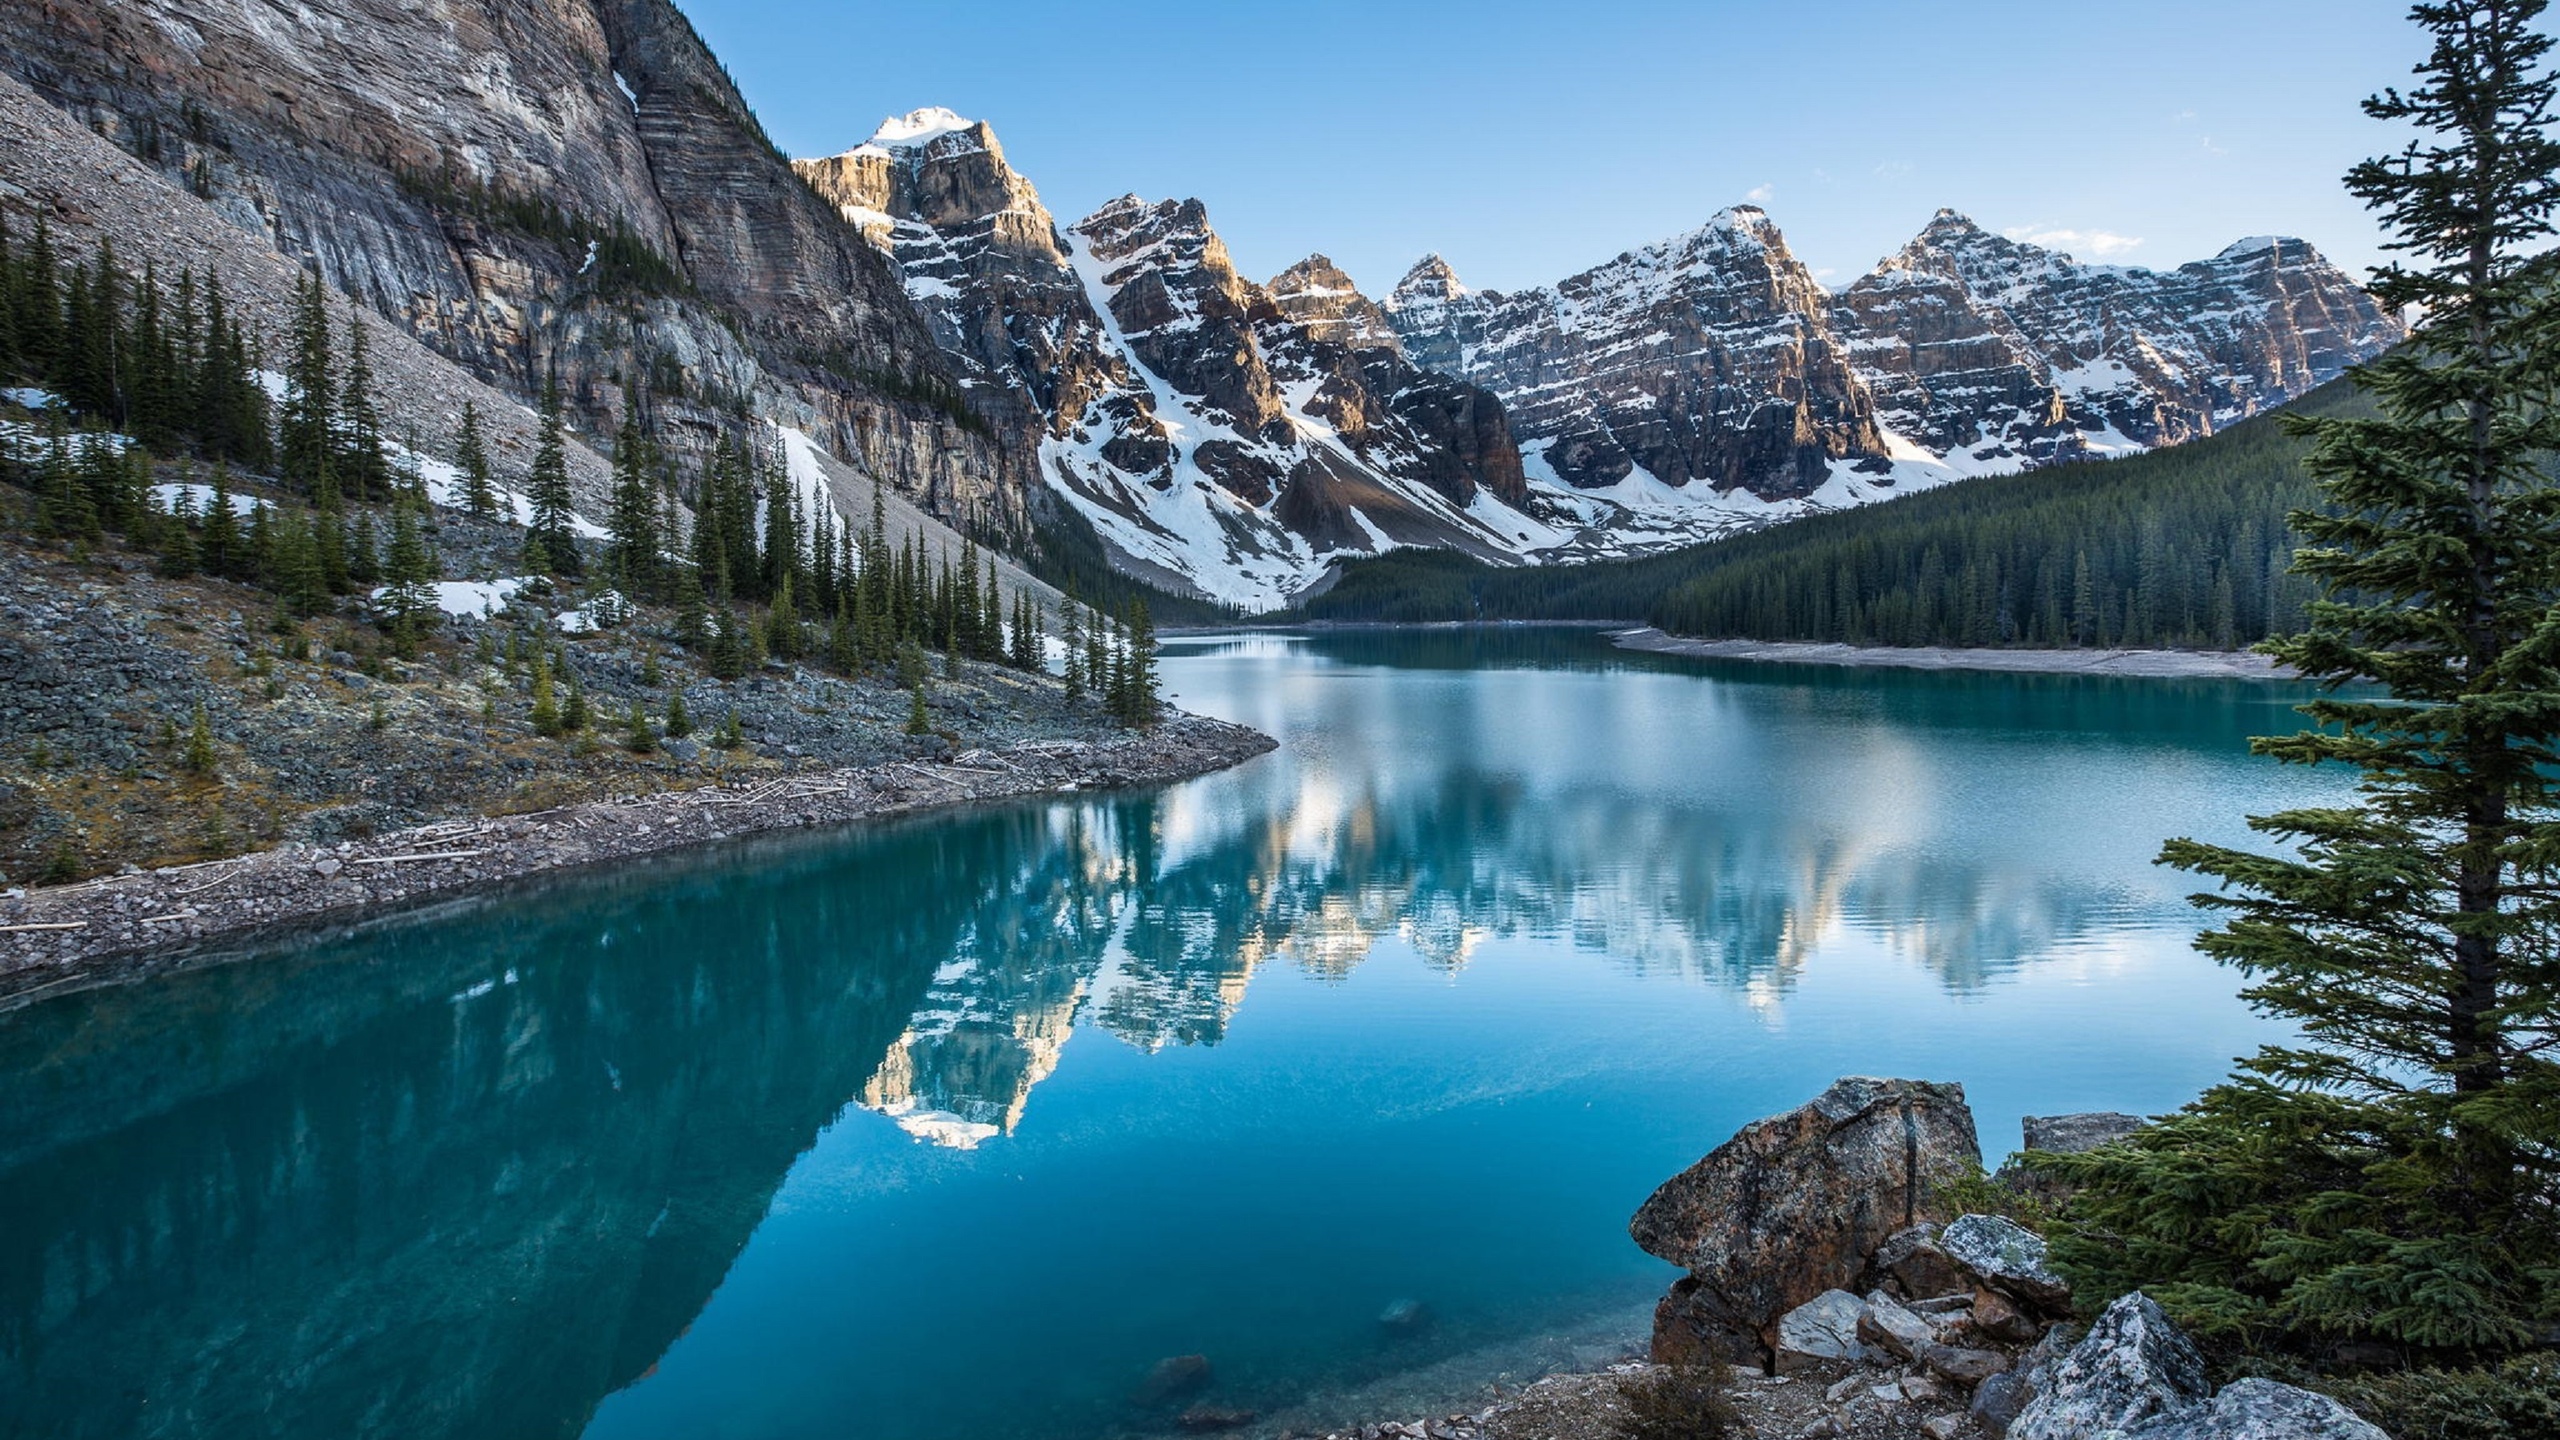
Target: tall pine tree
2394,1174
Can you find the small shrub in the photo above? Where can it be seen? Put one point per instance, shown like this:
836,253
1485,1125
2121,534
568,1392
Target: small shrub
62,869
2519,1400
2001,1195
1679,1402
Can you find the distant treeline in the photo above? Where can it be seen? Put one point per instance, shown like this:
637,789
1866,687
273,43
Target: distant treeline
2185,548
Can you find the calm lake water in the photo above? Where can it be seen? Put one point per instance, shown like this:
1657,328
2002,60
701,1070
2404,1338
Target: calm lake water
953,1128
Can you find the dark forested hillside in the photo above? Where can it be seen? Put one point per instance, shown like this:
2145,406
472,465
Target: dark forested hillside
2185,547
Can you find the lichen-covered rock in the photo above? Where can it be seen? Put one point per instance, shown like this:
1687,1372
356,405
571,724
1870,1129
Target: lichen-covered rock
2007,1257
1794,1204
2264,1410
1825,1327
2133,1367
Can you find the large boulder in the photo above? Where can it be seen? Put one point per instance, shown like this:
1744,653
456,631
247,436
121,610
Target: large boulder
2264,1410
2078,1134
2007,1257
1795,1204
2133,1367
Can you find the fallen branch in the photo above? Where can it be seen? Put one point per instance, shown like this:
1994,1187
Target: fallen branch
56,925
427,855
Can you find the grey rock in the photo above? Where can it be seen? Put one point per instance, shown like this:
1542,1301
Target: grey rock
2264,1410
1997,1401
2133,1367
1963,1364
1887,1323
1825,1327
328,869
2078,1134
2007,1257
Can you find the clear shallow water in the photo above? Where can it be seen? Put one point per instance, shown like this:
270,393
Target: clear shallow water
953,1128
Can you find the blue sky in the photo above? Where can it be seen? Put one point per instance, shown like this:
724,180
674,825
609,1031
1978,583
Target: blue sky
1526,141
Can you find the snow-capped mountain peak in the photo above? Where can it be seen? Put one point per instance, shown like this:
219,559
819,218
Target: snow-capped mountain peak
919,127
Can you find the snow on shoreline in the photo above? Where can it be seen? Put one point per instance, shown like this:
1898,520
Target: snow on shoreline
2138,664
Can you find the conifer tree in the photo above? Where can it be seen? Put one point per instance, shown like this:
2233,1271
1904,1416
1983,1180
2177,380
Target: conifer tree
1146,702
178,557
409,569
471,456
679,724
2394,1174
919,720
549,537
364,469
308,444
693,615
200,756
782,637
637,737
633,523
545,714
38,304
1071,634
220,550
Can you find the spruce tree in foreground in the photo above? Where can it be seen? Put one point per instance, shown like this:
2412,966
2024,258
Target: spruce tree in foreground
2394,1174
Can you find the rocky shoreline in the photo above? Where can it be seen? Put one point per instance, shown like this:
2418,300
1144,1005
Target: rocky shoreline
2135,664
125,926
1833,1293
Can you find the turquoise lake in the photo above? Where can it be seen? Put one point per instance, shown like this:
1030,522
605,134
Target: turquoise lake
955,1127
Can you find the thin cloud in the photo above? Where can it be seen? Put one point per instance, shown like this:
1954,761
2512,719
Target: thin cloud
1761,194
1892,170
2097,244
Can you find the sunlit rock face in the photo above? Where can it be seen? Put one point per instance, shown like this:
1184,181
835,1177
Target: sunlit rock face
536,189
1707,358
1977,343
1708,383
1224,437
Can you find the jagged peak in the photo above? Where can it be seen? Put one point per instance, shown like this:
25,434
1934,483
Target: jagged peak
2285,246
1433,276
1315,275
919,127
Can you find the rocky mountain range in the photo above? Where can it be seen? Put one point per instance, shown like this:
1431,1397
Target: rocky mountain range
1236,438
579,190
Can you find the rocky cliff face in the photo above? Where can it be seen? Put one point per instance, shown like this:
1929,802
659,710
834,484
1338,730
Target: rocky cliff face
1984,347
1225,438
1707,382
537,188
1707,358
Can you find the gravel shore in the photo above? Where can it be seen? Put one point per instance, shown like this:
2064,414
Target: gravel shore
2143,664
123,926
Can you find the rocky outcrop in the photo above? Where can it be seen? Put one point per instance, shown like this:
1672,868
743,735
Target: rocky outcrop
1708,358
2077,1134
2137,1376
535,189
1797,1204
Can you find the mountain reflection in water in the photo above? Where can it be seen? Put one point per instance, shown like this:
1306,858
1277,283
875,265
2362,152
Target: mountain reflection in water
469,1173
